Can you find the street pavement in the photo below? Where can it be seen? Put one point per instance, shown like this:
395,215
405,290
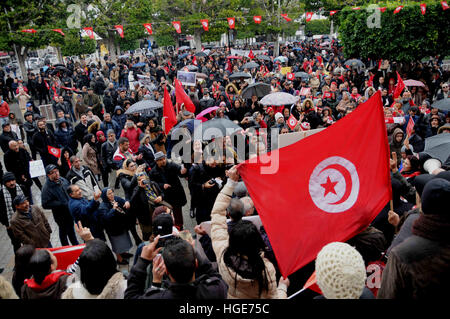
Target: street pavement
6,250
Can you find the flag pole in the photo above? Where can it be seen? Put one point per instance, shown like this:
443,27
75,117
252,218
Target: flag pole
295,294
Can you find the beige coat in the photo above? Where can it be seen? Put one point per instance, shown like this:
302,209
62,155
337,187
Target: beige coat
245,288
114,75
89,156
114,289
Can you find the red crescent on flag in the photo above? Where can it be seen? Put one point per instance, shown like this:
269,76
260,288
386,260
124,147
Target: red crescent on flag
348,181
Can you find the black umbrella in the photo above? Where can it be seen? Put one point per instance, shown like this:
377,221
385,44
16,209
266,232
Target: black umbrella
239,75
190,67
190,124
258,89
250,65
438,147
443,104
217,127
201,54
144,106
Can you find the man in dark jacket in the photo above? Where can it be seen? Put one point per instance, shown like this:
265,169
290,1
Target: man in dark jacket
41,140
81,129
8,192
85,211
54,197
108,149
93,102
17,161
6,137
180,261
110,124
418,267
204,189
30,128
167,174
65,135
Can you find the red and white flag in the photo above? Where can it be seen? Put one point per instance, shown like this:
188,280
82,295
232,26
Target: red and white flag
89,32
356,8
398,9
177,26
205,24
410,126
148,27
423,8
290,76
394,120
292,122
251,55
333,12
170,119
231,22
285,17
399,87
182,97
305,91
119,29
382,9
59,31
54,151
257,19
29,31
444,5
66,255
333,196
194,61
309,16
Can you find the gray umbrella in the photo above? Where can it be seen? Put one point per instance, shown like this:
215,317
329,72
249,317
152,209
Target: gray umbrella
216,127
190,67
184,48
279,99
263,57
302,75
250,65
201,54
438,147
258,89
354,63
144,106
239,75
443,105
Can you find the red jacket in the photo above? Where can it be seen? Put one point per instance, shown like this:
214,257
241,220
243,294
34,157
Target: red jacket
133,136
4,109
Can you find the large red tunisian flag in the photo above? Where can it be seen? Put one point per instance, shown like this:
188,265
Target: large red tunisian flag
182,97
168,112
328,187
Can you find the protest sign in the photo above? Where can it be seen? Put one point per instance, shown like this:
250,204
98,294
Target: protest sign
37,168
187,78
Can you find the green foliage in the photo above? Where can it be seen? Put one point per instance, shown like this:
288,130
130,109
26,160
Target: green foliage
318,26
405,36
73,46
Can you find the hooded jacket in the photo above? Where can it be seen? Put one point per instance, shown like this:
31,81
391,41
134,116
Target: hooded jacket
65,138
121,119
51,287
394,145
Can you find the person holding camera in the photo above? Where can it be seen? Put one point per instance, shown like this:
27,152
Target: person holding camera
146,196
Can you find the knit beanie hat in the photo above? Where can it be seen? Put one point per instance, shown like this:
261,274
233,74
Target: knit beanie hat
8,176
436,197
278,115
340,271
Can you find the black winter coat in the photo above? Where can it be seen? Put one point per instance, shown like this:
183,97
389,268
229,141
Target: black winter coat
170,174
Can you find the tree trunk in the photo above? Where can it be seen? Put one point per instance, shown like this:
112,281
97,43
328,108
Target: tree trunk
21,60
276,49
111,47
198,40
59,55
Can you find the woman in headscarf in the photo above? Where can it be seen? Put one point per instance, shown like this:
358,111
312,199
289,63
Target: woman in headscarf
89,153
113,211
64,164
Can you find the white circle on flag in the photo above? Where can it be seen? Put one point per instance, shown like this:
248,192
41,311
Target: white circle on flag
334,185
292,121
230,22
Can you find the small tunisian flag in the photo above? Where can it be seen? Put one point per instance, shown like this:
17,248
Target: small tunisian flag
29,31
382,9
54,151
292,122
168,112
398,9
257,19
231,22
251,55
205,24
333,12
285,17
423,8
290,76
309,16
410,126
332,196
59,31
148,27
119,29
399,87
444,5
182,97
177,26
89,32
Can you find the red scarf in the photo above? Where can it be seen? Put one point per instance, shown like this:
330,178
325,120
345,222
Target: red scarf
47,282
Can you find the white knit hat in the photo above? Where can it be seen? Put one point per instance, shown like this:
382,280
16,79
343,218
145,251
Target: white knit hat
278,115
340,271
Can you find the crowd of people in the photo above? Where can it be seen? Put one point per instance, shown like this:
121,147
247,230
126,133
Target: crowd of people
104,152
